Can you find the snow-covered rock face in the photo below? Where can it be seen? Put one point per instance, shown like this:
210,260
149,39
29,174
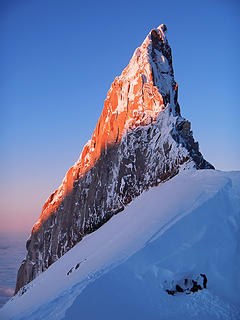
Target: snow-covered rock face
140,140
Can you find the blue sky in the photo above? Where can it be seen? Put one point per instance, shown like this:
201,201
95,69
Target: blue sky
58,60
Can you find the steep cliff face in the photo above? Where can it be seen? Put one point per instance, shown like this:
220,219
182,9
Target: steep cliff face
140,140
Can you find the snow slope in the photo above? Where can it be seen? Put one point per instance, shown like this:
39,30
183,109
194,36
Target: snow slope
186,226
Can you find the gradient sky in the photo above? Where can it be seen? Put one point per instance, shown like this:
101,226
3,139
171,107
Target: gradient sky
58,59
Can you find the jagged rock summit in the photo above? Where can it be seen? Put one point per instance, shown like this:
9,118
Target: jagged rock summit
140,140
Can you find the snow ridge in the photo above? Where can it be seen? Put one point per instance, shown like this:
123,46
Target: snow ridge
153,241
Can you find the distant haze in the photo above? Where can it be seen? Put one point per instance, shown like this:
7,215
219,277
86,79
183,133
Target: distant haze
12,252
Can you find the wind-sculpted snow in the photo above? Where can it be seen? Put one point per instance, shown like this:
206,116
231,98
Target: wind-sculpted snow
186,226
140,140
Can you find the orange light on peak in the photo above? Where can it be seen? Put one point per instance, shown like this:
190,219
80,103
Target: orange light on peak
129,104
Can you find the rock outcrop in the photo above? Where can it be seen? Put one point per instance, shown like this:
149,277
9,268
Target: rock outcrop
140,140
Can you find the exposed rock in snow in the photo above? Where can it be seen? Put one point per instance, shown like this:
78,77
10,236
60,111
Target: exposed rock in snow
140,140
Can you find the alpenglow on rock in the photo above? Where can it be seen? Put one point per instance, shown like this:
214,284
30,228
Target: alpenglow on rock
140,140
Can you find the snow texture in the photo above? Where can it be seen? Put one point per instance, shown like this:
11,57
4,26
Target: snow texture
179,229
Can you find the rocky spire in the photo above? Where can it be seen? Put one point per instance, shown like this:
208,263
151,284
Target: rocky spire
140,140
